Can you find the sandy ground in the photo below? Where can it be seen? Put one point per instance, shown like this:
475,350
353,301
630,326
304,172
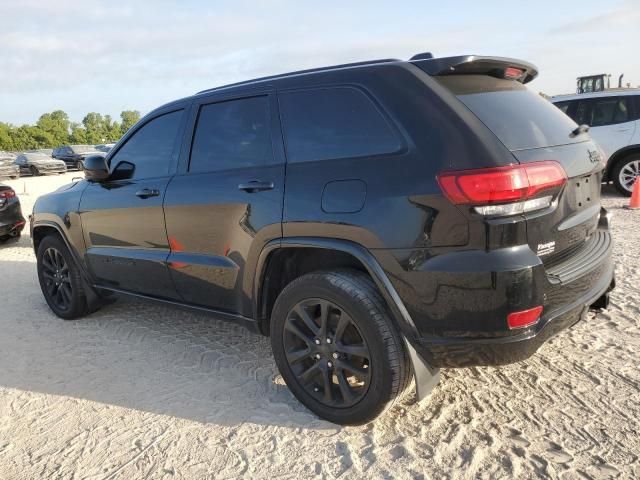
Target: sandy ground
139,390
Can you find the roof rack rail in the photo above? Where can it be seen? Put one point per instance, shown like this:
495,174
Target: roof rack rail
299,72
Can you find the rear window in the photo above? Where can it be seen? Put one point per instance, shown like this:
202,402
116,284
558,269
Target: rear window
334,122
518,116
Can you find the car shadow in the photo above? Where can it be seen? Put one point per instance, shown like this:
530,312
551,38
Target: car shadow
143,356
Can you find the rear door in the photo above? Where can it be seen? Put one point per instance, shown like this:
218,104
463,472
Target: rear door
122,218
225,203
612,122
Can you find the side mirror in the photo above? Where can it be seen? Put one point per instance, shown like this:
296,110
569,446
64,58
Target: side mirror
96,168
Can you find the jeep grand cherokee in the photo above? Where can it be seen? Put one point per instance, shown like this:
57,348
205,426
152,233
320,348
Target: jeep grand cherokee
377,220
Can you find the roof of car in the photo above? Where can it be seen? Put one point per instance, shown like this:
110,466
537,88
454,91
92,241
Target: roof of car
611,92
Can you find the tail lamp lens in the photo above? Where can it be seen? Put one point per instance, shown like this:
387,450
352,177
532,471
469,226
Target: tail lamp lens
7,193
502,185
524,318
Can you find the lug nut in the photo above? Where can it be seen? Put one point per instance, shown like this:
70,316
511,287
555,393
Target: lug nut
317,341
365,366
317,356
316,389
328,340
329,364
335,355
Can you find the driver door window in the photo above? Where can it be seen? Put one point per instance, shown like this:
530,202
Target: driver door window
150,149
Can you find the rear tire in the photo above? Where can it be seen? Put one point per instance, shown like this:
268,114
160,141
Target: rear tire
360,366
60,279
624,172
34,171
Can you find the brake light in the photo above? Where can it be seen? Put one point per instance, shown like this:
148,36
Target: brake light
513,183
524,318
7,193
512,73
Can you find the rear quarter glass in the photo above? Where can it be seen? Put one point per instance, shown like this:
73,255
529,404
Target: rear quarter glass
519,117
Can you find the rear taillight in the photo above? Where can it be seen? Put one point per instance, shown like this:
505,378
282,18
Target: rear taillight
524,318
7,194
504,190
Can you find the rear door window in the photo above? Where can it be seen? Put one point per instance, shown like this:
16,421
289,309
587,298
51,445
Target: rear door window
610,110
232,134
518,116
334,122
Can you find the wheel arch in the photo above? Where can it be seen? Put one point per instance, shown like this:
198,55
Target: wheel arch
42,228
425,375
349,254
617,157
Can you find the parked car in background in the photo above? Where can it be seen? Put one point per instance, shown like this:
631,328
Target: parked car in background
8,168
613,117
73,155
39,164
11,220
434,213
105,147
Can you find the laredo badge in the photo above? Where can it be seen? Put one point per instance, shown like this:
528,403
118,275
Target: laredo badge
546,248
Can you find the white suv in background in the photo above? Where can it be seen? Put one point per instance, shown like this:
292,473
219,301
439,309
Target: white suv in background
614,120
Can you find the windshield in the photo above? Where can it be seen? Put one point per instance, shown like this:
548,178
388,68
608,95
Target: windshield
519,117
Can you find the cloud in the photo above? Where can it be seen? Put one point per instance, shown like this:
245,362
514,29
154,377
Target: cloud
620,18
82,55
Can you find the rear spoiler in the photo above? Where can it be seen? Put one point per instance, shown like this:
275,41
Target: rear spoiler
499,67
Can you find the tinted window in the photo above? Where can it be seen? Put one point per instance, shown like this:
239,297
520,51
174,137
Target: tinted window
232,134
563,106
151,147
337,122
581,115
607,111
519,117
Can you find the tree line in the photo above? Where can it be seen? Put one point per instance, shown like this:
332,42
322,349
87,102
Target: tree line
55,129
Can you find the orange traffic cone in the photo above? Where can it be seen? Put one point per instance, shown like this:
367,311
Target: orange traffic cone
635,195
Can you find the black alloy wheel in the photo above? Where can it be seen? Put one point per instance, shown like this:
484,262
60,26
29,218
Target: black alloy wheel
336,346
60,279
327,353
57,281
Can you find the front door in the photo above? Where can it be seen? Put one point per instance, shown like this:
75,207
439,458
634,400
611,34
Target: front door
226,202
122,219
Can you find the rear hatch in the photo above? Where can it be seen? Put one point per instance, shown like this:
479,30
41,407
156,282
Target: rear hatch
536,131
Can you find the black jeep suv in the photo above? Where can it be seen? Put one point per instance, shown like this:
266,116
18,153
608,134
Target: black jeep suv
378,220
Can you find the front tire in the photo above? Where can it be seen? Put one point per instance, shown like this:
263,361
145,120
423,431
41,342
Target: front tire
80,165
34,171
336,348
60,279
624,174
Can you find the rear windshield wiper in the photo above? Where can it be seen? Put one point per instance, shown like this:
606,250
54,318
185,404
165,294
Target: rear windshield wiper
580,130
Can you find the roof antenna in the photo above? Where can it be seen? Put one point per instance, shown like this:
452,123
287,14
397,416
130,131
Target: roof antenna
422,56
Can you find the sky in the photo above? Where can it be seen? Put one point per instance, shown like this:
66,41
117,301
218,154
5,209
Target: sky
106,56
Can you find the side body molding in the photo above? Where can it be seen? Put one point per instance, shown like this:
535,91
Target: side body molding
426,376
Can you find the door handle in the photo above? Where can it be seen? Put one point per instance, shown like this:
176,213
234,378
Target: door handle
147,192
255,186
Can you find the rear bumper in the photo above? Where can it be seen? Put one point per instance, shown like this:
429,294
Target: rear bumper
515,348
459,301
11,220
